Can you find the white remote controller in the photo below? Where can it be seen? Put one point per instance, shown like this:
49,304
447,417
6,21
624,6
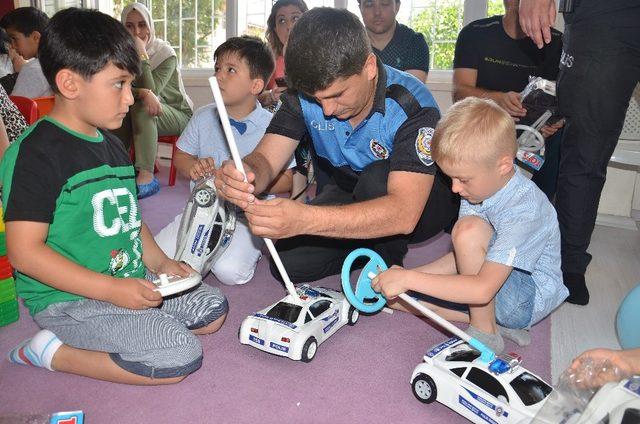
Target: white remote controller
172,284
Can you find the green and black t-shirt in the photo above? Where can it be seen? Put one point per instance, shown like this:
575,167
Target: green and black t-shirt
84,188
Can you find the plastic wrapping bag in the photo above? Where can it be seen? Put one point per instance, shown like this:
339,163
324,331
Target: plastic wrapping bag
593,392
539,99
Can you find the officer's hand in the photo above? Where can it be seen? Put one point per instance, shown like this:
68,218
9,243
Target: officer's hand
231,185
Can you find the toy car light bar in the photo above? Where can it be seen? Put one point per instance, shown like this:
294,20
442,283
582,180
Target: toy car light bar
505,363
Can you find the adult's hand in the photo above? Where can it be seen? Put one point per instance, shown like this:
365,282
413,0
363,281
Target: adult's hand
510,101
140,46
277,218
151,103
536,19
231,185
549,130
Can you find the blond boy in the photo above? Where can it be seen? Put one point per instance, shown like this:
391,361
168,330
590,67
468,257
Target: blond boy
505,264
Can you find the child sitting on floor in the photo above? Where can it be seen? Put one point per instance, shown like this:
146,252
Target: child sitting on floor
505,263
243,68
73,226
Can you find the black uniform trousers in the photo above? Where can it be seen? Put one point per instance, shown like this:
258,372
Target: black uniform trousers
599,69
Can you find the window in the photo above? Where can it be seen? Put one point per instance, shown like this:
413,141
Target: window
463,355
458,371
50,7
285,311
319,307
530,389
487,383
253,14
193,27
440,21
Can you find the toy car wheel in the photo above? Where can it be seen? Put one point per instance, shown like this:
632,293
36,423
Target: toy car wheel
203,198
309,349
354,314
424,389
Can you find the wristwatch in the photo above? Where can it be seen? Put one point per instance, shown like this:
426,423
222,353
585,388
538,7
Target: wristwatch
144,56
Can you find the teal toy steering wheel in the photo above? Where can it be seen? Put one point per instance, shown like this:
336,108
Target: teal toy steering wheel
363,286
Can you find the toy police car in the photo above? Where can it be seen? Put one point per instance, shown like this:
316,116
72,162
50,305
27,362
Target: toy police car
206,228
497,392
295,327
614,403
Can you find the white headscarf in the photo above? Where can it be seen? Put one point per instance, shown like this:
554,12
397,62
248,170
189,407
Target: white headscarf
157,49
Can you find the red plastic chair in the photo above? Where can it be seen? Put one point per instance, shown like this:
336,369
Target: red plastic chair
171,139
27,107
168,139
45,104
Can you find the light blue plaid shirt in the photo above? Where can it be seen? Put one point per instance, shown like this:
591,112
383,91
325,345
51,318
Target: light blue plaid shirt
526,236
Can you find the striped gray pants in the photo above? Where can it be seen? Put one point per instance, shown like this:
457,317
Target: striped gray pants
154,342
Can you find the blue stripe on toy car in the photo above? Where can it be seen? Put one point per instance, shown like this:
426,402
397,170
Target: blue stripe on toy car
475,410
442,346
279,321
480,399
196,238
633,385
276,346
256,340
331,324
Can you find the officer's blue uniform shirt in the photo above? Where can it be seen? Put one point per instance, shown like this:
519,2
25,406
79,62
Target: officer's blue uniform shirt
526,236
399,127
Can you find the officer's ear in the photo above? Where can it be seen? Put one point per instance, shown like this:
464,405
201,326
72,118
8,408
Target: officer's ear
370,67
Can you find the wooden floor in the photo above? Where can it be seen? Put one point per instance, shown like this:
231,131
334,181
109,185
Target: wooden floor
614,270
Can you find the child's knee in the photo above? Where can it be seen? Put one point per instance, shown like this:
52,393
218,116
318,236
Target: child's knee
211,327
471,230
231,274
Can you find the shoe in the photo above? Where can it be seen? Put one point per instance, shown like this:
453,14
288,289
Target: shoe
149,189
578,292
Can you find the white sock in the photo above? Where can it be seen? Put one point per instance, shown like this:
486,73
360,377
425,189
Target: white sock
37,351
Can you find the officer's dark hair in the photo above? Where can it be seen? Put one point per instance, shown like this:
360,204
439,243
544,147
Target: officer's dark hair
324,45
255,52
25,20
85,41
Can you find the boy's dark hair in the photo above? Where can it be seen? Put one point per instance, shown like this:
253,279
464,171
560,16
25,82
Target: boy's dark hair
270,33
254,51
85,41
4,41
25,20
324,45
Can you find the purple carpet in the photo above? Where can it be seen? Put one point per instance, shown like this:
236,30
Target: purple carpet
360,375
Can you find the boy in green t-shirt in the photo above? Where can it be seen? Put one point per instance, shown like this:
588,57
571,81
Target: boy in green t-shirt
73,228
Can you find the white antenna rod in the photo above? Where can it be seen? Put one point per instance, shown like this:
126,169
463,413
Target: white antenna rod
226,126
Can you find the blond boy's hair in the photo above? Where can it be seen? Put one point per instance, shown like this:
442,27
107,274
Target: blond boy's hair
474,130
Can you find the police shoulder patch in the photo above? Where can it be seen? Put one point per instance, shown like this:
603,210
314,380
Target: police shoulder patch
378,149
423,145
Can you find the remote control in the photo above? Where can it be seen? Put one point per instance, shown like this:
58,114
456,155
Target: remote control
172,284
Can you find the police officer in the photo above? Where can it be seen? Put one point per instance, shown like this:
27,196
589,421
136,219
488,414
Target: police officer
599,69
371,128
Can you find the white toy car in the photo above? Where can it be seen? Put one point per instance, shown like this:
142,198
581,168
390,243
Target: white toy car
295,328
206,228
614,403
498,392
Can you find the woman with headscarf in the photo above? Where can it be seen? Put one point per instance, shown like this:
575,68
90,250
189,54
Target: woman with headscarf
161,107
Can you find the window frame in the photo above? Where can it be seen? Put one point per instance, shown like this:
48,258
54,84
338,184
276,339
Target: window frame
473,10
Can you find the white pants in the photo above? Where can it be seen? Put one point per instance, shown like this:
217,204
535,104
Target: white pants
237,263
